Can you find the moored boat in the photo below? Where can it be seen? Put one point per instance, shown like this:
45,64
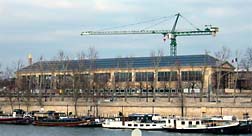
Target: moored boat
140,121
65,122
15,120
53,118
215,125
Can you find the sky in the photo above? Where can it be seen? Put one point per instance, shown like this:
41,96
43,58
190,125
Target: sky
44,27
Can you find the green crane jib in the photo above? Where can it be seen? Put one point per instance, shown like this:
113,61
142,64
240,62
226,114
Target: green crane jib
168,34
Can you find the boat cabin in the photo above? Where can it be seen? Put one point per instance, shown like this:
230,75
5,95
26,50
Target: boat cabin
187,123
182,123
50,115
144,117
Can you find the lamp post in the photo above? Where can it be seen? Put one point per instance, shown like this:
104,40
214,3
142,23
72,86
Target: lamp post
236,78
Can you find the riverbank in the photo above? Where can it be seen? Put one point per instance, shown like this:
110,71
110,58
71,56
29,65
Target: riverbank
106,108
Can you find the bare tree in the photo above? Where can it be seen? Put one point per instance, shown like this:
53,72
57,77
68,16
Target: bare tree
156,62
40,85
246,63
20,81
78,80
141,86
9,89
75,90
92,55
27,92
61,55
202,80
179,86
249,55
54,77
63,80
223,55
170,80
115,81
129,65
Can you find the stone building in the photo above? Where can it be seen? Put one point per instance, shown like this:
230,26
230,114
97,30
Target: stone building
191,73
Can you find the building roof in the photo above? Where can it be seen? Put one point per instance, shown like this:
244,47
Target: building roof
129,62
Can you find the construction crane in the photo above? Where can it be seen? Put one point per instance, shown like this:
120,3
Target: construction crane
168,34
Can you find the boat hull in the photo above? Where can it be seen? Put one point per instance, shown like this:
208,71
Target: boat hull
60,124
236,129
66,123
16,121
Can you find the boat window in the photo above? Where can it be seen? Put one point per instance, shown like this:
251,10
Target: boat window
147,125
129,125
190,122
141,125
135,125
182,122
197,123
154,125
169,121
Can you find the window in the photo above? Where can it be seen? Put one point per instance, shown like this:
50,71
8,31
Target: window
141,125
135,125
82,77
101,77
147,125
129,125
167,76
197,123
166,91
182,122
191,75
190,123
123,77
144,76
154,125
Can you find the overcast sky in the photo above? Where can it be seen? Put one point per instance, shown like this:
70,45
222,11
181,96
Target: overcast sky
43,27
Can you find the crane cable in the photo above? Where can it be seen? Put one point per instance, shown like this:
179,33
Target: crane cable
138,23
159,19
189,22
158,23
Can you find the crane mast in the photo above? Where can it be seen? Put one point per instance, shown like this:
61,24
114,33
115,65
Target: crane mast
173,44
168,34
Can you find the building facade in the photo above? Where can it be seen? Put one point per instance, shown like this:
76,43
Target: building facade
190,73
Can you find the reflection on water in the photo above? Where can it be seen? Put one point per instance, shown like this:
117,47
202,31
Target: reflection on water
16,130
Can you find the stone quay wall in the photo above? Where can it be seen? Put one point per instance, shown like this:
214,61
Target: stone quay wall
104,108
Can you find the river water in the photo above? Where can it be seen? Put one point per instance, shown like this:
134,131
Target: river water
23,130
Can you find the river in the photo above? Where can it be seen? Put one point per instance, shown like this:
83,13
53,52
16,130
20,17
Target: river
23,130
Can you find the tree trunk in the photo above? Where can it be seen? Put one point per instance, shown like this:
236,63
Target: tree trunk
75,108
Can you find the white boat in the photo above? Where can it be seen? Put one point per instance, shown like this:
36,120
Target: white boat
140,121
217,125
